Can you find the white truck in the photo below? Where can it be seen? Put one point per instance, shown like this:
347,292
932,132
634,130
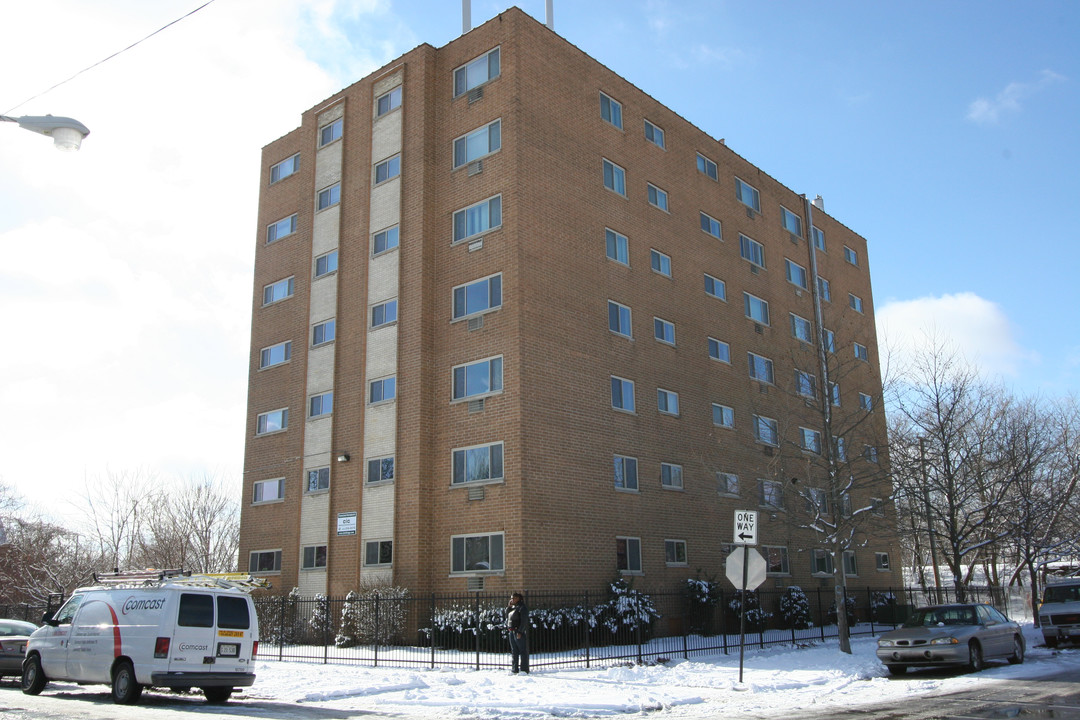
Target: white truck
1059,614
156,628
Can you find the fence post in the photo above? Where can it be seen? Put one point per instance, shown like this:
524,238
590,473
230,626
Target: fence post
723,619
281,632
870,604
637,624
588,632
477,610
432,637
686,629
378,630
326,629
820,615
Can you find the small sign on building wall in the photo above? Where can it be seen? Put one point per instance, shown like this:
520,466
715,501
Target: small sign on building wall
346,523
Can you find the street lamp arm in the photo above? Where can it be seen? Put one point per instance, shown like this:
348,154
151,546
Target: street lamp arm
67,133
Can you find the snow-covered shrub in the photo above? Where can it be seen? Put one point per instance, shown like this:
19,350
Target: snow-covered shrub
795,609
625,609
883,607
375,616
702,599
458,626
278,624
322,624
849,602
755,615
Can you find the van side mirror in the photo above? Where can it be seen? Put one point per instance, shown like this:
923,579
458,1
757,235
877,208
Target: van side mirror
47,619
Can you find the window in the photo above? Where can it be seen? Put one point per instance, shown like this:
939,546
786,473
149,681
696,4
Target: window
328,197
664,331
792,222
388,169
378,552
277,291
877,507
387,102
611,110
671,476
382,390
723,416
619,319
766,430
851,568
625,473
805,384
761,368
817,501
866,402
756,308
617,247
654,134
264,561
845,505
285,168
478,379
710,225
796,274
772,494
870,453
478,143
480,463
384,240
326,264
820,562
275,355
861,353
747,195
622,394
851,256
268,490
614,177
819,238
707,166
657,197
321,404
330,133
476,553
715,287
384,313
314,557
675,552
834,393
830,340
667,402
280,229
776,560
727,483
271,422
380,469
824,289
881,561
661,263
478,219
478,296
752,251
323,333
810,440
476,72
318,479
800,329
839,448
719,350
855,302
628,554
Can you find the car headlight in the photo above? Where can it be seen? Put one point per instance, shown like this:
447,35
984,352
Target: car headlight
886,643
945,641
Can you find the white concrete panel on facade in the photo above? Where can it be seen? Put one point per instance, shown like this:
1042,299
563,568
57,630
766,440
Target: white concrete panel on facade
383,277
378,575
325,229
382,352
313,513
377,516
385,206
311,582
386,137
380,429
385,84
328,165
320,369
323,304
318,434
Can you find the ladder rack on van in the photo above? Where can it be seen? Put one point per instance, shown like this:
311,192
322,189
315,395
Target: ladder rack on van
158,578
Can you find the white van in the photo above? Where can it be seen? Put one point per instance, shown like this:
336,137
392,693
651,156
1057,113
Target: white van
157,628
1059,614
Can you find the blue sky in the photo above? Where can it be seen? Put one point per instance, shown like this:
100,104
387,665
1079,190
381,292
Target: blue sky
946,133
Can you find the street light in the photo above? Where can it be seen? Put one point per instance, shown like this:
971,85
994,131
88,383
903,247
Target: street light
67,133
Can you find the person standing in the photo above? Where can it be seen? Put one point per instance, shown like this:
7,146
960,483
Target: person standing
517,624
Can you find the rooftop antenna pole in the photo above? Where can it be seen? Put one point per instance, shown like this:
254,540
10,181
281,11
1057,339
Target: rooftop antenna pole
551,14
466,16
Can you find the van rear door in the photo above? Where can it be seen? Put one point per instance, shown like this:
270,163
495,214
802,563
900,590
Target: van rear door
193,639
236,633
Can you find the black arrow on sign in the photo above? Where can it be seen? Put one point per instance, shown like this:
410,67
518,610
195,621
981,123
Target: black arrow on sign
744,536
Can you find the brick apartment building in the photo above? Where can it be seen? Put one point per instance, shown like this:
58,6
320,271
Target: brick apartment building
518,325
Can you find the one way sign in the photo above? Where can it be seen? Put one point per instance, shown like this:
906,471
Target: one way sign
746,527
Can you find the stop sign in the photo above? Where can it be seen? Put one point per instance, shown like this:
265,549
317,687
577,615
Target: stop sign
755,568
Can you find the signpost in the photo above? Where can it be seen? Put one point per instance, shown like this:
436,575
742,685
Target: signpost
746,570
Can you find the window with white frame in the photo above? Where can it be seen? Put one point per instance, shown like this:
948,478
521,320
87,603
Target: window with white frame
747,195
805,384
611,110
265,491
625,473
285,168
323,333
810,440
855,302
654,134
622,394
851,256
657,197
820,562
384,313
776,560
478,219
476,72
719,350
834,394
756,308
772,494
707,166
792,222
824,289
881,561
675,552
277,291
671,476
477,297
628,554
664,331
476,553
330,132
715,287
328,197
667,401
727,483
710,225
388,169
801,329
851,568
817,501
317,479
830,340
617,247
313,557
766,431
660,262
264,561
321,405
845,505
275,355
761,368
861,353
752,251
388,101
478,379
819,238
480,142
382,390
326,264
619,319
723,416
870,453
282,228
384,240
866,402
614,177
272,421
378,553
796,274
380,469
478,464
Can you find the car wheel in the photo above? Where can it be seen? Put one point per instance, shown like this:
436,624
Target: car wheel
975,657
896,669
125,688
1017,656
217,694
33,677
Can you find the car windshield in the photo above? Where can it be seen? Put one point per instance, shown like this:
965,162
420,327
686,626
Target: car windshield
1062,593
932,616
8,628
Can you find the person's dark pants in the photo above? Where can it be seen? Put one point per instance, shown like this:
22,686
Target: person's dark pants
519,652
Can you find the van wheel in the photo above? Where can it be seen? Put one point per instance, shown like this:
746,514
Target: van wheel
125,689
217,694
33,677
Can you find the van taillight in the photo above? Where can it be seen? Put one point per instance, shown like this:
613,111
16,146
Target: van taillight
161,647
254,649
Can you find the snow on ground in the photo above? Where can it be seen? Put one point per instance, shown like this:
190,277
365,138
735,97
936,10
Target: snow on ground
778,678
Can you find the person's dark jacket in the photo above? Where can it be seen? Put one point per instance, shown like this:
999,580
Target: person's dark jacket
517,618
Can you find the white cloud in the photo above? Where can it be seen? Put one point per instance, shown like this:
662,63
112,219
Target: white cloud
988,111
977,328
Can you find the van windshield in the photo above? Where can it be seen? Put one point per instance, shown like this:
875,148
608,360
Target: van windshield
233,613
1062,593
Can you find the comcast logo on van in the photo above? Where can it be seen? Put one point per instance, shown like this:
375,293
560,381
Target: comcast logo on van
132,604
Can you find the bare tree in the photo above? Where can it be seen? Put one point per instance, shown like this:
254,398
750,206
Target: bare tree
117,509
196,528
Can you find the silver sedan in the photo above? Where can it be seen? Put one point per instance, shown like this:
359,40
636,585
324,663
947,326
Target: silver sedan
962,635
13,637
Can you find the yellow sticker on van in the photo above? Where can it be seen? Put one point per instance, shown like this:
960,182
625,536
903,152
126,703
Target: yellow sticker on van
230,633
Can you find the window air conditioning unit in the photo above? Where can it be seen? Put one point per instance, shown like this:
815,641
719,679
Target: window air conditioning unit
476,167
474,584
476,323
476,406
750,213
476,94
476,493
